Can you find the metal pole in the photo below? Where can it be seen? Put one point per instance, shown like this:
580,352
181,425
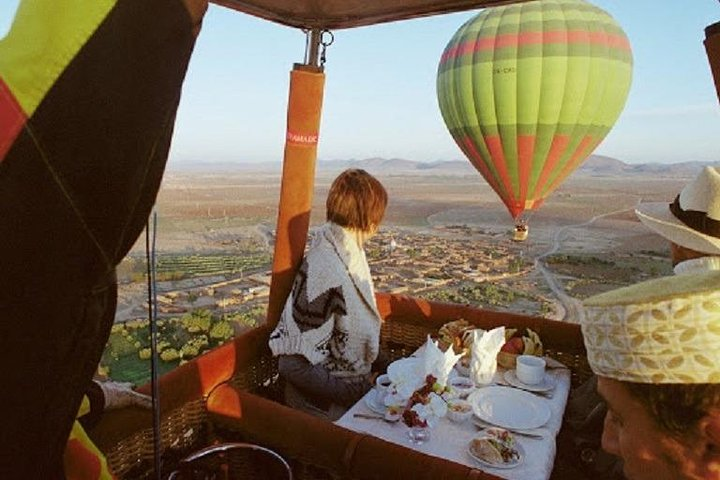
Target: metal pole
313,54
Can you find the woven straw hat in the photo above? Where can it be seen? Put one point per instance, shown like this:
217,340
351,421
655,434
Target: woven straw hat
665,330
693,219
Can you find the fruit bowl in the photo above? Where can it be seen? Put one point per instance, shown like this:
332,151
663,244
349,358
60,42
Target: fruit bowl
517,343
507,360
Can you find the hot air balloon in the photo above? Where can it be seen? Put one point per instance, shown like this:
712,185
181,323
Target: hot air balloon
529,90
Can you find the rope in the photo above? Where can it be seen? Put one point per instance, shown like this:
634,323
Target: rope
152,320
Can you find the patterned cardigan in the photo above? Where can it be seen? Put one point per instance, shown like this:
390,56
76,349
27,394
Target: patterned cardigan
331,317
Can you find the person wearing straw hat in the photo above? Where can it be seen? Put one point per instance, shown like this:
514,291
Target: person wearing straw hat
655,347
691,223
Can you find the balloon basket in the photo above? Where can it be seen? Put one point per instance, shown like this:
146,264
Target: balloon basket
520,233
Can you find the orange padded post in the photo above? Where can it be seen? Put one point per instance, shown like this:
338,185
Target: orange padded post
298,181
712,47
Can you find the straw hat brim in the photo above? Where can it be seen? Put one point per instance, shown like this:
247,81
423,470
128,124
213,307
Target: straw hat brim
659,218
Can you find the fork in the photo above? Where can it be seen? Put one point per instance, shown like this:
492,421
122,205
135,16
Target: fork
544,394
481,425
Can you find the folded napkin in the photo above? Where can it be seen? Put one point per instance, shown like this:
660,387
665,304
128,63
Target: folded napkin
483,354
406,376
437,363
409,374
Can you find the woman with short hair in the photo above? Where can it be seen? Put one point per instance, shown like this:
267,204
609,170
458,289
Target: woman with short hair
328,335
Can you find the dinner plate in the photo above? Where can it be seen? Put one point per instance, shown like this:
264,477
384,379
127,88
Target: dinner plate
372,404
509,408
545,386
511,464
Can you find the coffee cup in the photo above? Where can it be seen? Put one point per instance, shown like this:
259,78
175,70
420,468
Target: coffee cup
530,369
382,385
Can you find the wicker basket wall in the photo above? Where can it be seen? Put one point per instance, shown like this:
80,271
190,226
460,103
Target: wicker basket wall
320,450
234,393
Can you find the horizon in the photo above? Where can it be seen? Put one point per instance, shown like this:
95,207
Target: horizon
380,96
322,161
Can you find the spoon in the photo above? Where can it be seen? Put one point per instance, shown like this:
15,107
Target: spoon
377,417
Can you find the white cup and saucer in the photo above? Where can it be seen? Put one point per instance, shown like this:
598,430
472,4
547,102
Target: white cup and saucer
376,401
529,374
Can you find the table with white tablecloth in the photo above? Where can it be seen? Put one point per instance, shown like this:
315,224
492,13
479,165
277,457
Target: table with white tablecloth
450,440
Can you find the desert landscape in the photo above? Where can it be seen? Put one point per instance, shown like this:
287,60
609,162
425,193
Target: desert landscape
446,237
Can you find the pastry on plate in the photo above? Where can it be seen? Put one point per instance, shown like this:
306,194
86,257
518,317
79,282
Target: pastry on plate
496,447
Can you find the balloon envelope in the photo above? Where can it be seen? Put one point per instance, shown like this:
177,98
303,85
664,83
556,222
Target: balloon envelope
529,90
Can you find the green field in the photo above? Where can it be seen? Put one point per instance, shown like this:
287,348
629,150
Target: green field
591,274
487,295
180,266
127,354
201,265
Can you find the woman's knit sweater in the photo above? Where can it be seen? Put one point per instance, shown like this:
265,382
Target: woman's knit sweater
331,317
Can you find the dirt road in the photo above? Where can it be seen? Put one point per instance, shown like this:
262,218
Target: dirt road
571,307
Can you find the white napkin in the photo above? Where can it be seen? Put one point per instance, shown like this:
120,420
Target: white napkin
437,363
406,375
483,359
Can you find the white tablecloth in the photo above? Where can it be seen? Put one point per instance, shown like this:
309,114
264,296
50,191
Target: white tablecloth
450,440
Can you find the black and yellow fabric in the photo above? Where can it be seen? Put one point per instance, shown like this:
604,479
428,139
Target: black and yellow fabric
88,96
82,459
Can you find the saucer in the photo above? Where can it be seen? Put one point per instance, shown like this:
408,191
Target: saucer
544,386
372,404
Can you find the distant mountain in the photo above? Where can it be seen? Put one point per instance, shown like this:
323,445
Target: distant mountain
682,168
597,165
222,167
395,165
462,166
375,164
602,165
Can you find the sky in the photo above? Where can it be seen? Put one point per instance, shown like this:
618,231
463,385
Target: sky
380,98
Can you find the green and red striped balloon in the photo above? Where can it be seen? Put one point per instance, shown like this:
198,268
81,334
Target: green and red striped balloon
529,90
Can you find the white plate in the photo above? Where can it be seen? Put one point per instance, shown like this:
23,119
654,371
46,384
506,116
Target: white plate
512,464
372,404
545,386
509,408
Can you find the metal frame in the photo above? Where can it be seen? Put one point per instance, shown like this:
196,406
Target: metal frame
225,448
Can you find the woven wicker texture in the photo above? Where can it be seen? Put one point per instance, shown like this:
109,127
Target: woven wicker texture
247,405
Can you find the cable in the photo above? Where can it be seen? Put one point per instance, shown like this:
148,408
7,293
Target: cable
152,320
